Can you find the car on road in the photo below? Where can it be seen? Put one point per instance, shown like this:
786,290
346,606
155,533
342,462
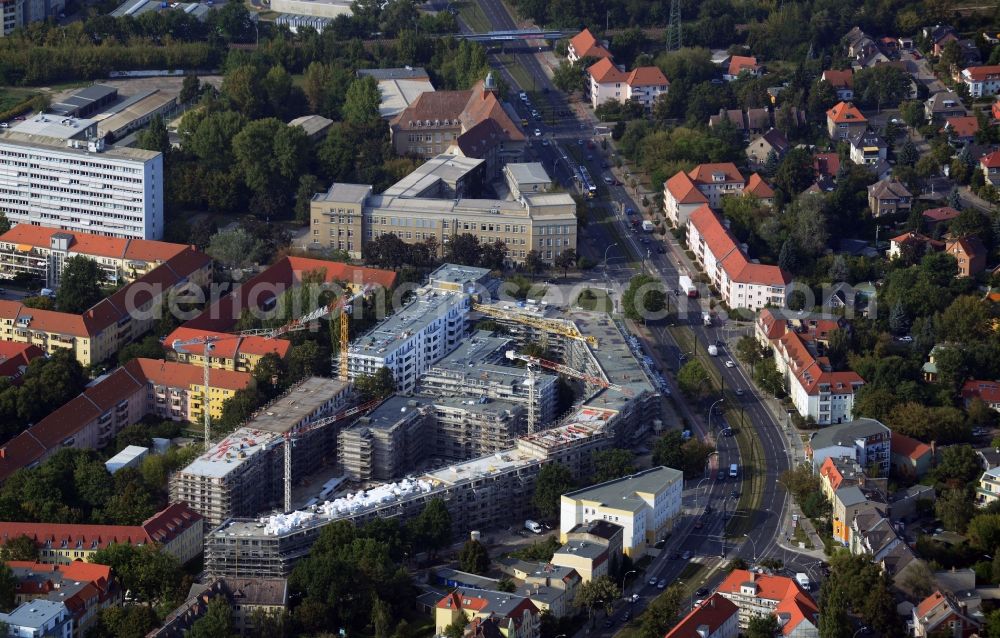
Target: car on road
739,392
652,581
645,240
545,142
579,142
630,211
674,555
708,509
730,364
661,250
627,616
607,180
702,592
722,475
905,339
590,157
735,494
608,623
686,555
662,584
523,96
538,132
727,432
698,525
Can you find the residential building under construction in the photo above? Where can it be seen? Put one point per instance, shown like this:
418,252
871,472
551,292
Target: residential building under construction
405,433
243,474
477,367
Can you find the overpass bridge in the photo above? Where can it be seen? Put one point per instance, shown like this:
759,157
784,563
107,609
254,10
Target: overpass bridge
512,36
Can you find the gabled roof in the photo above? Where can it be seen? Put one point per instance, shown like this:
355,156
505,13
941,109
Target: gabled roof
826,164
845,112
907,446
15,357
971,246
229,346
739,63
988,391
728,254
777,140
704,173
839,79
713,614
757,187
962,125
434,105
991,160
183,375
982,73
888,189
793,604
647,76
586,45
866,138
483,105
943,214
604,71
684,190
95,245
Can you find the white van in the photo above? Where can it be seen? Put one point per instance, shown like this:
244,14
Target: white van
734,470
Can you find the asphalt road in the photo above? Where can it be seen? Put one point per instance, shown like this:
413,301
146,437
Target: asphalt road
701,534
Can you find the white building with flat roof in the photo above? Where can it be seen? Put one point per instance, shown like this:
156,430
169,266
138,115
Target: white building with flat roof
416,337
315,8
39,617
79,184
644,504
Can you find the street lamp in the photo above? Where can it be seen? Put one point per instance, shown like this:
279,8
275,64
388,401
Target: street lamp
610,246
710,410
623,581
754,545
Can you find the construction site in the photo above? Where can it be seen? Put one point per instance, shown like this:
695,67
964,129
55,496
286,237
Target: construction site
474,428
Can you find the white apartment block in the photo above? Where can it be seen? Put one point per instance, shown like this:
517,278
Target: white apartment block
645,505
421,333
48,177
982,81
608,82
740,282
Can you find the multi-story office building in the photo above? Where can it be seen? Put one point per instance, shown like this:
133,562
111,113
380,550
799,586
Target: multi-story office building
645,505
422,332
474,368
42,252
243,474
348,216
50,177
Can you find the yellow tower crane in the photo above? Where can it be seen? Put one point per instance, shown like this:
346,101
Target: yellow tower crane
553,326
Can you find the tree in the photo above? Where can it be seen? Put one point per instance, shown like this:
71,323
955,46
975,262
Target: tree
309,185
151,574
899,323
693,380
566,260
912,112
954,508
19,548
80,285
788,258
599,591
133,621
644,298
154,137
762,627
493,255
378,385
236,248
662,614
881,85
833,622
533,262
464,249
8,588
217,621
388,251
190,89
959,466
984,531
689,456
748,350
362,101
612,464
795,172
569,78
432,528
457,628
554,480
473,558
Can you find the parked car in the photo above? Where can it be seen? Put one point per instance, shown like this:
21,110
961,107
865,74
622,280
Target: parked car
702,592
722,475
686,555
662,584
652,581
739,392
538,132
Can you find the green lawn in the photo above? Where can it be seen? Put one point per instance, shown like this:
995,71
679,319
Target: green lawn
518,72
11,97
592,300
472,14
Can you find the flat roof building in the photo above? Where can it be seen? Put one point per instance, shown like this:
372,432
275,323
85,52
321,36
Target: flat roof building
243,474
315,8
422,332
116,192
526,177
441,177
399,87
644,504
